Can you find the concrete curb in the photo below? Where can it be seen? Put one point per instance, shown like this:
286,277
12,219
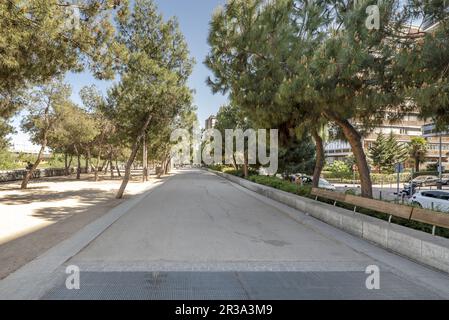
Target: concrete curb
32,280
416,245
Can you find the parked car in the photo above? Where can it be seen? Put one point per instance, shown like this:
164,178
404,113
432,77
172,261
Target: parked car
323,183
436,200
423,181
445,179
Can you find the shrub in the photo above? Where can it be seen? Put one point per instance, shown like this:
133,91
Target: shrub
7,161
339,169
282,185
216,167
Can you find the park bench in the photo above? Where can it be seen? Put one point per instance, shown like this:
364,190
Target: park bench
392,209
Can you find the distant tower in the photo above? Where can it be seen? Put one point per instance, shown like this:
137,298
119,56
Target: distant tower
210,122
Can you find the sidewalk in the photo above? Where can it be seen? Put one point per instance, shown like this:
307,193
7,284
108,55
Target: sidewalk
51,210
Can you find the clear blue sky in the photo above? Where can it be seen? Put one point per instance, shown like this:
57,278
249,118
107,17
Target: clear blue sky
194,17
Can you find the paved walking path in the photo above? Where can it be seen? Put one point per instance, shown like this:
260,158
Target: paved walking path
198,236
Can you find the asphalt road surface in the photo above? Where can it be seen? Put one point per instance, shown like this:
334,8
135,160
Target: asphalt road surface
198,236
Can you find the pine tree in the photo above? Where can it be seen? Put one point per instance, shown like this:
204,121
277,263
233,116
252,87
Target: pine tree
44,112
152,90
44,39
377,152
386,152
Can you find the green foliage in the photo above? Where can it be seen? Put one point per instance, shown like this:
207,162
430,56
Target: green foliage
418,150
298,155
56,161
433,167
7,160
386,152
5,130
25,157
290,63
216,167
153,75
352,192
45,107
40,39
281,185
339,169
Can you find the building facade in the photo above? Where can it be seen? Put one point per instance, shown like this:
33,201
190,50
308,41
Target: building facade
210,122
404,130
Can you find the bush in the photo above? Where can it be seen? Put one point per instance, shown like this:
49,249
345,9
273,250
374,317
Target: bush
7,161
281,185
216,167
339,169
427,173
376,178
56,161
432,167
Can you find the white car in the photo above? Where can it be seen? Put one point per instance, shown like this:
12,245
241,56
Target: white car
324,184
436,200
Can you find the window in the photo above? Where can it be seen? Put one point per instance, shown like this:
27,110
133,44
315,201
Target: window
429,194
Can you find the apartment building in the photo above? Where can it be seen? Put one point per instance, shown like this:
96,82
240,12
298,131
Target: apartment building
210,122
403,130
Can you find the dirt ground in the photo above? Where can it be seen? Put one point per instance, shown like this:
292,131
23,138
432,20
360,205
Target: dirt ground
49,211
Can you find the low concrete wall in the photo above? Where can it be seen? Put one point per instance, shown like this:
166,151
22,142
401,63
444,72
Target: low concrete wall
15,175
416,245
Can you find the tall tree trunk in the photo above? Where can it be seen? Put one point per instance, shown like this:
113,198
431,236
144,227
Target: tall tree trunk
167,163
103,165
105,169
245,165
319,163
131,158
117,168
88,161
66,167
111,166
144,161
161,168
234,162
70,165
355,140
97,166
416,165
30,172
78,169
